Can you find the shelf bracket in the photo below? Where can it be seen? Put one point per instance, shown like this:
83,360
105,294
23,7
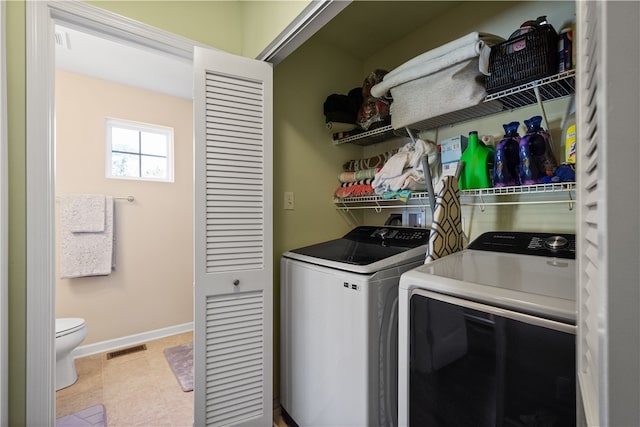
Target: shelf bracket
427,176
346,210
378,208
571,202
536,90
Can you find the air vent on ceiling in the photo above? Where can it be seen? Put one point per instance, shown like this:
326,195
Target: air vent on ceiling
62,39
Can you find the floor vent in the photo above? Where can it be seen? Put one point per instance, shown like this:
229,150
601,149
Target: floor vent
124,351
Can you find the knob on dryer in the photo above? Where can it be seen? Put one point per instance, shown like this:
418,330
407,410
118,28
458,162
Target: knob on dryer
556,242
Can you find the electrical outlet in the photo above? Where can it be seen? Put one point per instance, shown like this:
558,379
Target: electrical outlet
288,200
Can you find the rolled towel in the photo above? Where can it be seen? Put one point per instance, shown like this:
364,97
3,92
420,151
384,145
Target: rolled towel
357,175
358,188
371,162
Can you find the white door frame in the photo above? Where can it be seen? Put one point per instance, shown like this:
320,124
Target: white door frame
40,192
40,292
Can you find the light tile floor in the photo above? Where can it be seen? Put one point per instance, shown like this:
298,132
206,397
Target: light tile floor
137,389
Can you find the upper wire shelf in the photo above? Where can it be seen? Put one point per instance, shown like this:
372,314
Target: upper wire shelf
552,87
383,133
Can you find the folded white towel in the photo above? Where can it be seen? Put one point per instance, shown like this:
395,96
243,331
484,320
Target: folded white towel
473,45
88,253
84,213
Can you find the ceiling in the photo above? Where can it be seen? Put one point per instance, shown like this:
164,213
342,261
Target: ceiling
361,29
131,65
366,27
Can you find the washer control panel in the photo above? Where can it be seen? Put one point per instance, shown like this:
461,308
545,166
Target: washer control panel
558,245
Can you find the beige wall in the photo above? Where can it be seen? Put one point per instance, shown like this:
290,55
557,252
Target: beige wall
151,287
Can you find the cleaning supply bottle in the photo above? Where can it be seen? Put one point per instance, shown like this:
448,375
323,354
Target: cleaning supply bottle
570,138
478,160
569,135
537,161
507,158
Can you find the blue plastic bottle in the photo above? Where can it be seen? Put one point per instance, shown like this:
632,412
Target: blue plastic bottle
527,170
532,149
507,157
540,148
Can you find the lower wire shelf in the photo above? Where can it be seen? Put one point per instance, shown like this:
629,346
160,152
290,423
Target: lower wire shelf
479,197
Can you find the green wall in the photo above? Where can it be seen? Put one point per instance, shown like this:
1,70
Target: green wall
16,100
215,23
305,159
263,21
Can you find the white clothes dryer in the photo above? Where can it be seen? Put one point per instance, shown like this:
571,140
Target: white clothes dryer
487,335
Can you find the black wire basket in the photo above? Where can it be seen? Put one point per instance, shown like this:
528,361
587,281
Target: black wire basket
523,58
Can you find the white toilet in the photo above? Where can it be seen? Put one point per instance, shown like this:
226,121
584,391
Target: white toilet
70,332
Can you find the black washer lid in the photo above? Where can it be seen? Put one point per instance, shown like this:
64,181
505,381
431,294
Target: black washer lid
367,244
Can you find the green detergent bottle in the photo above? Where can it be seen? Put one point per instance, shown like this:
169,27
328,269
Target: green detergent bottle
478,160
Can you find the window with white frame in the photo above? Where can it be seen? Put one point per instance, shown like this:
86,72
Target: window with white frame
139,151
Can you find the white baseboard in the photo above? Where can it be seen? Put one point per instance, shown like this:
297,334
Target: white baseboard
117,343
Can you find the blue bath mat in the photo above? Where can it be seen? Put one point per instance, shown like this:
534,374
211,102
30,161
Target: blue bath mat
95,416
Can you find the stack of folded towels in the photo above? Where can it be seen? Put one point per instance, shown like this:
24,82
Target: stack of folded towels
357,175
393,174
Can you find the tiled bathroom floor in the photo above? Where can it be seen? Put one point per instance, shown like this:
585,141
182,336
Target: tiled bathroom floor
137,389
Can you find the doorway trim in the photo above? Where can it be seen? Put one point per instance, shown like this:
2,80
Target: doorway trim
40,167
40,162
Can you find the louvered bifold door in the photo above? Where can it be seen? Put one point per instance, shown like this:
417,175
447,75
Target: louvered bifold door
232,240
589,281
608,249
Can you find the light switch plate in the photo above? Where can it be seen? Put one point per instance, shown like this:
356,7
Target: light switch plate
288,200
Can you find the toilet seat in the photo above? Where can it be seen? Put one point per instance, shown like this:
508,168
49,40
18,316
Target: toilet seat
69,325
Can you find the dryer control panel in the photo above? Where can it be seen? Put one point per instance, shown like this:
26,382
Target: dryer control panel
524,243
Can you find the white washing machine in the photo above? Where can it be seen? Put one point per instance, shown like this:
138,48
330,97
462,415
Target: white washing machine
487,335
339,326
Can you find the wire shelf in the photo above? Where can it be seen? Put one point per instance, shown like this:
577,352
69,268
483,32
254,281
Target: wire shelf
422,198
373,136
550,88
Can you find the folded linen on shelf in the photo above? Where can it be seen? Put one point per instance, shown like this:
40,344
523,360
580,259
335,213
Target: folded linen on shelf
438,82
355,189
376,161
473,45
403,171
358,175
88,253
